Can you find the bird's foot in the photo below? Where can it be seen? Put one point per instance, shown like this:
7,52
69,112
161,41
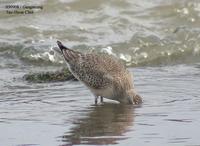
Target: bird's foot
101,99
96,99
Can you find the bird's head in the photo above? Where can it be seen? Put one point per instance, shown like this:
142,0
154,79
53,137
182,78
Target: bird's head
133,97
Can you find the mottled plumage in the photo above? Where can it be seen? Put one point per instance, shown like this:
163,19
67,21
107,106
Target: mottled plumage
103,74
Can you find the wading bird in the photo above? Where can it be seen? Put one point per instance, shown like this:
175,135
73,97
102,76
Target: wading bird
103,74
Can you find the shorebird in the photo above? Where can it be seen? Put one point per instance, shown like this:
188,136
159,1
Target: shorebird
103,74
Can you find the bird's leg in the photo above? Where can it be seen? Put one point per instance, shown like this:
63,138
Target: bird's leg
101,99
96,99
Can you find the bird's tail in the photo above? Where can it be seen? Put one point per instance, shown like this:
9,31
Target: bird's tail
68,53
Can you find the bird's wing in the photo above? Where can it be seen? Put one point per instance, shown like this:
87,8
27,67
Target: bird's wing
97,71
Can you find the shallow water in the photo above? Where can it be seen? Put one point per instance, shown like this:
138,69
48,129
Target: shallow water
158,40
63,113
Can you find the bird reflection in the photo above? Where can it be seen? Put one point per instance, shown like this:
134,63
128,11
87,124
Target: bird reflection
104,124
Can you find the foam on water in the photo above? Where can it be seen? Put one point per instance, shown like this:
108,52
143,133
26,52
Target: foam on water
140,33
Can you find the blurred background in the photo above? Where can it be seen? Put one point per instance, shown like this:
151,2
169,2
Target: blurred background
141,33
